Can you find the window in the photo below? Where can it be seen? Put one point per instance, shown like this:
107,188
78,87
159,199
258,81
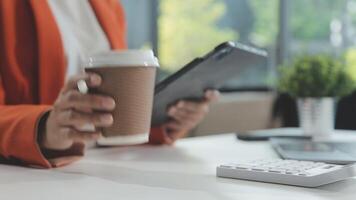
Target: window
316,27
191,28
324,26
182,30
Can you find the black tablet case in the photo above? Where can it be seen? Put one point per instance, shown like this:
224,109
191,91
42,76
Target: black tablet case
209,72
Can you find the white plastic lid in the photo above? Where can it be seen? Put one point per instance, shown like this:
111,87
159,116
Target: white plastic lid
123,58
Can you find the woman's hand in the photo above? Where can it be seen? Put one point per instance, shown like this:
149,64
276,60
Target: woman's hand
186,115
72,110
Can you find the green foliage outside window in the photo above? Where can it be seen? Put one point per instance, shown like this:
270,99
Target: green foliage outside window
310,19
188,28
265,27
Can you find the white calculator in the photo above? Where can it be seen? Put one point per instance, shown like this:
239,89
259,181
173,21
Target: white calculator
289,172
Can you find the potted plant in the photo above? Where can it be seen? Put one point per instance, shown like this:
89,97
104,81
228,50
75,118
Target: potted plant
316,82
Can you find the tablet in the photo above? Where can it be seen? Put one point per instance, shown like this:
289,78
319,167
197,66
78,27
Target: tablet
308,150
211,71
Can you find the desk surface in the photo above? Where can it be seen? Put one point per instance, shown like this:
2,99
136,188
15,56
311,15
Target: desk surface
184,171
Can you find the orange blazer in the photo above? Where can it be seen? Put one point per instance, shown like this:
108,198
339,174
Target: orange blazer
32,72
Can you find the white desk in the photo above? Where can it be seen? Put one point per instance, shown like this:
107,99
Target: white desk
185,171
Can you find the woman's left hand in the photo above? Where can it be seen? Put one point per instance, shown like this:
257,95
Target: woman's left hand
186,115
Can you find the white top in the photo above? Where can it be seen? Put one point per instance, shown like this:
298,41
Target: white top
186,170
81,32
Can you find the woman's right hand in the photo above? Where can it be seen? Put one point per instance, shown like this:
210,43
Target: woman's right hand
73,110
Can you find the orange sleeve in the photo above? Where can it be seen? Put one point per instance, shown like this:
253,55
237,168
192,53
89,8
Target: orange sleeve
158,135
26,79
18,138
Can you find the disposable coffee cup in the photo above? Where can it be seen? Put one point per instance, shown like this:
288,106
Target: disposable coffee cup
128,77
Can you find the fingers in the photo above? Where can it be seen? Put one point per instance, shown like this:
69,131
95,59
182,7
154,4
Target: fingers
202,106
184,114
188,114
192,107
212,95
73,110
79,119
176,130
75,99
78,136
91,79
71,98
174,125
184,119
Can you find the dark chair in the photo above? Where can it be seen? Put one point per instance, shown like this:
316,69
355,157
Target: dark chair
346,113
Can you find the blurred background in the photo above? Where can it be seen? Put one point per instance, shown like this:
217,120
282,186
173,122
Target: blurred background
179,31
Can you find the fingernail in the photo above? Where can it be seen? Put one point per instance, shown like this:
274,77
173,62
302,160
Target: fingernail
216,93
95,79
95,136
210,93
98,135
109,103
107,119
181,104
172,111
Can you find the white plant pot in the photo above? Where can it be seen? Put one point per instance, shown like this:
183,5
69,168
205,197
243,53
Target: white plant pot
317,116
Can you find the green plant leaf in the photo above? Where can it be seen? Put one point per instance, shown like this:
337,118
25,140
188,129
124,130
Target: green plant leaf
316,76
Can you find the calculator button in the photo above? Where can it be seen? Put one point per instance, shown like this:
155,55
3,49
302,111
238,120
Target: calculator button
241,168
275,171
292,172
258,169
328,167
226,166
